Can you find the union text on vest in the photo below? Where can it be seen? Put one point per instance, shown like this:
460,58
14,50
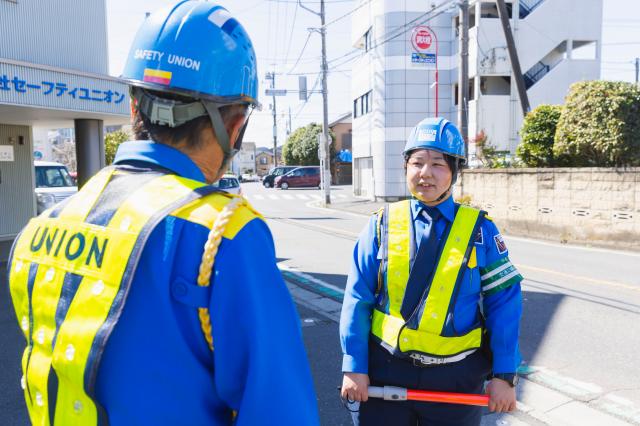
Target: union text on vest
57,242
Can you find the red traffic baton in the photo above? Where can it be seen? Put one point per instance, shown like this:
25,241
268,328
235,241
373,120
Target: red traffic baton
393,393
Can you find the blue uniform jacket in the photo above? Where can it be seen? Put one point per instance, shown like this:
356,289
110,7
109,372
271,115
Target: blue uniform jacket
157,368
495,282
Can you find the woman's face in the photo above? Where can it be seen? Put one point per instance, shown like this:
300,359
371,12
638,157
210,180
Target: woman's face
428,176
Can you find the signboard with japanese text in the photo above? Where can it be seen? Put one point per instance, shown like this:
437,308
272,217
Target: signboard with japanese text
425,47
6,153
41,87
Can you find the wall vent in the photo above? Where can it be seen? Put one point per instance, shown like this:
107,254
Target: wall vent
545,210
581,212
622,216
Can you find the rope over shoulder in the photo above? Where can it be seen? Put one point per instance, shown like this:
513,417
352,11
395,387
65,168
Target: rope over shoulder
208,258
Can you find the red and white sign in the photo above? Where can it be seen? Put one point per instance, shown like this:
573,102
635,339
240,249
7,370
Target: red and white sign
422,39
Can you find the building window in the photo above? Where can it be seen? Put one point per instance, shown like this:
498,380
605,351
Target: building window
263,160
363,104
368,39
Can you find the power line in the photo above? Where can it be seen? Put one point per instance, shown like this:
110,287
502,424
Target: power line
301,53
347,14
401,30
293,27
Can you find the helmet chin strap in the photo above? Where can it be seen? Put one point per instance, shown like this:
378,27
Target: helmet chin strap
222,136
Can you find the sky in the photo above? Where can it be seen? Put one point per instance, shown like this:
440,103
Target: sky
283,43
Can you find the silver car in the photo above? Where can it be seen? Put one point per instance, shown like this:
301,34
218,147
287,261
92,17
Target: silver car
53,184
229,183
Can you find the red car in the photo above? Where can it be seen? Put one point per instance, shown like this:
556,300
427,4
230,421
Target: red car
302,176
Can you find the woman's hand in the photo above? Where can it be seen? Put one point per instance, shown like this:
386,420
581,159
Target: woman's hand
502,397
354,387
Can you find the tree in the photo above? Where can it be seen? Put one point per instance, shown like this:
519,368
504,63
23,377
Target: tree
301,148
111,143
599,125
538,133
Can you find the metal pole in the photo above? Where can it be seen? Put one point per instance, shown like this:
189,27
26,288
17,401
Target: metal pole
513,56
637,69
275,126
463,76
325,113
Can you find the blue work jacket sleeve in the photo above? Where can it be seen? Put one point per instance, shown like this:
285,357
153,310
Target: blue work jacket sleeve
359,300
502,301
261,367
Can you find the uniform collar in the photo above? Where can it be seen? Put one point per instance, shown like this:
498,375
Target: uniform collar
446,208
161,155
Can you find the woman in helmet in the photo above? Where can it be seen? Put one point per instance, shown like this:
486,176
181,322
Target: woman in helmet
430,286
131,324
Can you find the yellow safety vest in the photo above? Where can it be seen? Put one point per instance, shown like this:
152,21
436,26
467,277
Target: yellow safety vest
69,281
388,327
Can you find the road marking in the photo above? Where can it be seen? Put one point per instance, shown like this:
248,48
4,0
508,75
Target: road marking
572,246
258,197
287,196
578,277
316,196
341,196
273,197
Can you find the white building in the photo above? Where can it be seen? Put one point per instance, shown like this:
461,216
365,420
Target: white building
53,74
395,82
245,160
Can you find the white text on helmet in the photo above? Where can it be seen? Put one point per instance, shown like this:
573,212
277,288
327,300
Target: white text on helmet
181,61
150,55
427,134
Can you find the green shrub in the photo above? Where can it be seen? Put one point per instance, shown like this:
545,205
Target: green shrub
599,125
111,143
301,148
538,133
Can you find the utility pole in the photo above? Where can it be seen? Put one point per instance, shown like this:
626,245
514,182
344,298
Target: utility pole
637,69
325,112
272,76
463,76
513,56
324,142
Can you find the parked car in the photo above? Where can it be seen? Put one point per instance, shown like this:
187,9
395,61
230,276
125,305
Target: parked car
269,179
53,184
300,177
229,183
249,177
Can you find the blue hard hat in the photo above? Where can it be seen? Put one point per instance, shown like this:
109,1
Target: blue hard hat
437,134
197,49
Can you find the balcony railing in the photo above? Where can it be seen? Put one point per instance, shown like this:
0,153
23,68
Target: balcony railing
535,73
527,6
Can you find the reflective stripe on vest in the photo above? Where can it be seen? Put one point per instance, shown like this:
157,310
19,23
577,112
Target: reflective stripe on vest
390,327
69,281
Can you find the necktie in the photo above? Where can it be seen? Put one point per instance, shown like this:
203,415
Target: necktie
422,267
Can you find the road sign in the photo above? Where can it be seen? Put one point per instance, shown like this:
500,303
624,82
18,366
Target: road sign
275,92
422,38
423,58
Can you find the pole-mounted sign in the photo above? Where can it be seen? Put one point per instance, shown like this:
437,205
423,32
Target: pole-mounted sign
425,51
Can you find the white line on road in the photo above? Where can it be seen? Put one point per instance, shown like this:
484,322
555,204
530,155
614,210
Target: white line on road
256,196
341,196
578,277
287,196
273,197
302,196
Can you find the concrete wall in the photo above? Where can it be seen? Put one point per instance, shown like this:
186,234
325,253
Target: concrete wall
597,206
